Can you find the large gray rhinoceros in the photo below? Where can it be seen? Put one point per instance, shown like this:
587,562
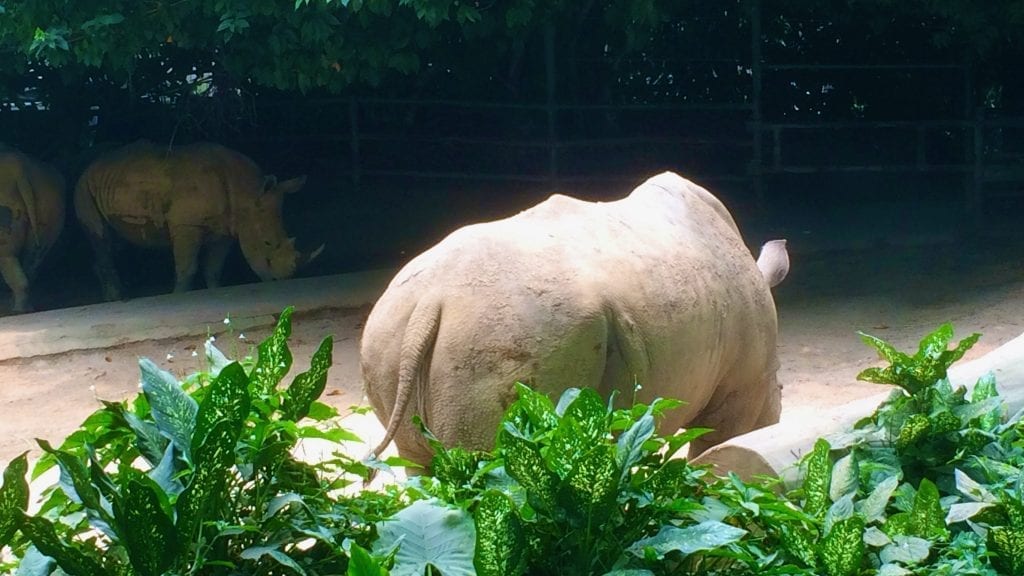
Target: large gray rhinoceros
657,288
32,212
187,197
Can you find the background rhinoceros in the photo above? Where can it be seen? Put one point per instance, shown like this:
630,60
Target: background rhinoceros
32,211
657,288
187,197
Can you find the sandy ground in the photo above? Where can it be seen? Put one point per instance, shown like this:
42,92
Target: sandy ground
896,293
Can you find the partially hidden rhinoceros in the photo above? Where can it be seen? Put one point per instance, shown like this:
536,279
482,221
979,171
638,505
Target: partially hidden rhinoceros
187,197
32,211
656,289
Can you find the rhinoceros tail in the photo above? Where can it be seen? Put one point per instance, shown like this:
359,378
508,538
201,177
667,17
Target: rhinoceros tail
85,208
417,346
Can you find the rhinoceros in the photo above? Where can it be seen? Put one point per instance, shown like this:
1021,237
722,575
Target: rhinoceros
32,211
187,197
656,288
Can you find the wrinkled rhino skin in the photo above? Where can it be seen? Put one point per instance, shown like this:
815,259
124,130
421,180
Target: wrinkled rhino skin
657,288
189,197
32,212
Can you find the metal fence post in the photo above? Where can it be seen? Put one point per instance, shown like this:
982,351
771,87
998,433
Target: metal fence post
353,121
975,192
551,105
756,161
974,152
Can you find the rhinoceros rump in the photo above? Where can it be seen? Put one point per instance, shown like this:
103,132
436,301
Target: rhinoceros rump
31,219
657,288
187,197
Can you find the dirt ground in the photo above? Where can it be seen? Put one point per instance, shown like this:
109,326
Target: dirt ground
898,293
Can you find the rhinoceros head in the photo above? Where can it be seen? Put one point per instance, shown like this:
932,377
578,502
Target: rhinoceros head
266,246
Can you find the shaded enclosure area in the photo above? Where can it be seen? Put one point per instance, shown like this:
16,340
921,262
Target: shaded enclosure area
834,126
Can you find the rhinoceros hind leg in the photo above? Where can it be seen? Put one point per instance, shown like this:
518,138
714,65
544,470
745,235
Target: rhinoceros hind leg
772,410
216,255
185,241
417,452
31,259
106,272
110,282
15,277
628,363
739,410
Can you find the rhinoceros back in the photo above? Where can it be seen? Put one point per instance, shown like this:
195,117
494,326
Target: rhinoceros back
103,187
143,190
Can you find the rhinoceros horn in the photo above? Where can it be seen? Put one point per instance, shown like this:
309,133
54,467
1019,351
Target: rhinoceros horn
290,186
305,258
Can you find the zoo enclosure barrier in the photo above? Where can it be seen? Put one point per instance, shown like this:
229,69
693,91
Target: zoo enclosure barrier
983,151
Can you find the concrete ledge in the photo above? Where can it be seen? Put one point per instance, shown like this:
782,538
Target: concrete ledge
180,315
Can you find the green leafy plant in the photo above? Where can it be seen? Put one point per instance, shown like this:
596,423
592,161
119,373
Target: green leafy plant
428,535
578,487
926,367
929,421
199,477
906,473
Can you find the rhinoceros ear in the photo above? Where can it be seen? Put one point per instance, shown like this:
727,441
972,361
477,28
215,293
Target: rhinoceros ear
774,262
269,182
291,186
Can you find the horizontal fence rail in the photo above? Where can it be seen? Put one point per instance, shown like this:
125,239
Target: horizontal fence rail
966,148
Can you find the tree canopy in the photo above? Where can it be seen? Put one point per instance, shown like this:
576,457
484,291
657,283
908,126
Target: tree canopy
207,60
332,44
327,44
